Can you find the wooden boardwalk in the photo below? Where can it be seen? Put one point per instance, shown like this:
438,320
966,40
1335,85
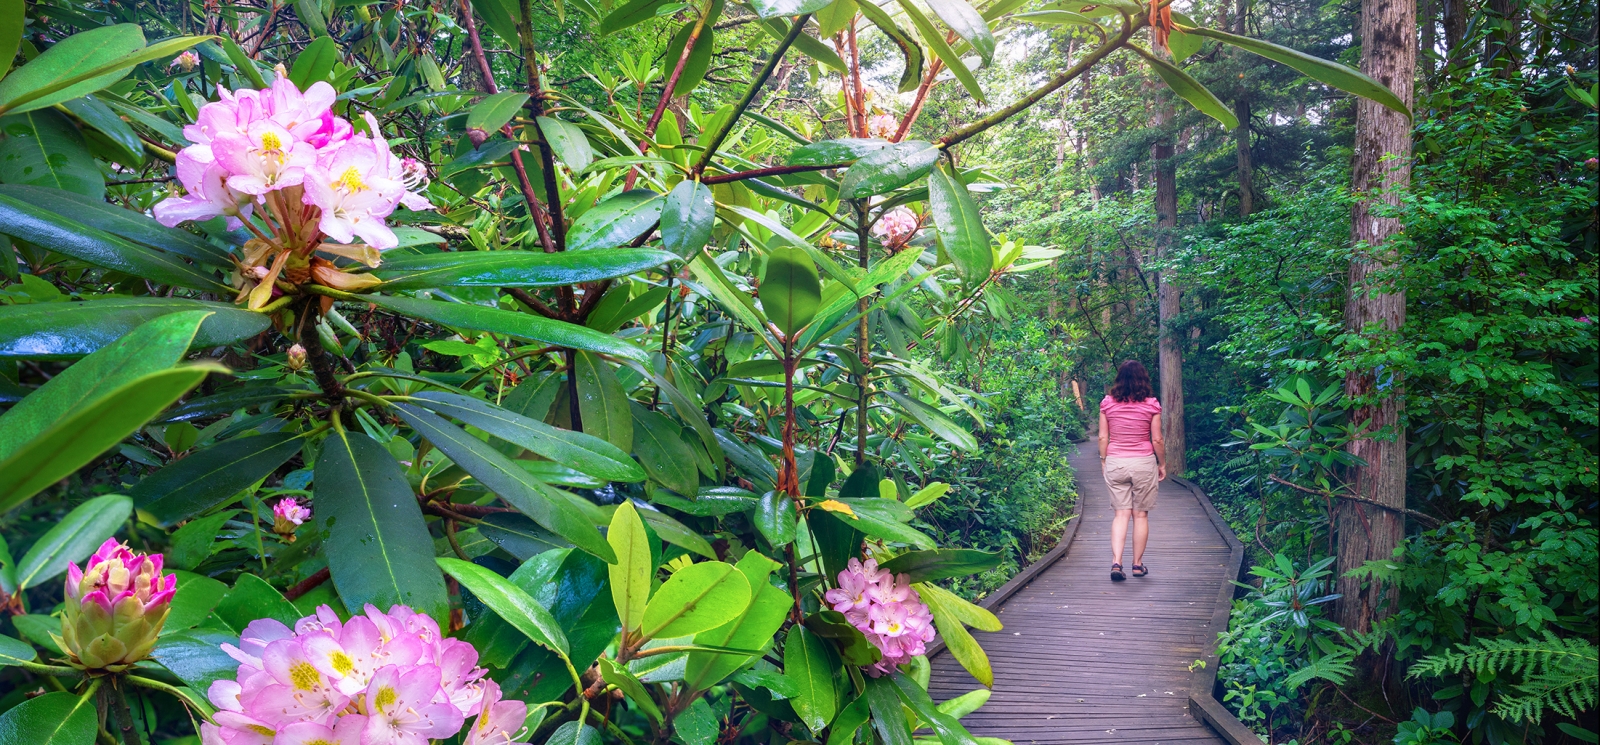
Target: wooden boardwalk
1086,660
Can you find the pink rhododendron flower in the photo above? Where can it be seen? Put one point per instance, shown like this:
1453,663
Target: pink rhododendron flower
115,607
376,679
882,126
896,226
887,611
266,157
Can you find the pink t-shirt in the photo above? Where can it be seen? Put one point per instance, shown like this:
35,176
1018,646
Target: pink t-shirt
1128,425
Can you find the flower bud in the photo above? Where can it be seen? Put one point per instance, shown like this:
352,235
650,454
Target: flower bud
188,61
115,607
477,136
296,358
288,514
326,274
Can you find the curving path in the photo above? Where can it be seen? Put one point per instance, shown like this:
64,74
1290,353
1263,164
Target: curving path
1085,660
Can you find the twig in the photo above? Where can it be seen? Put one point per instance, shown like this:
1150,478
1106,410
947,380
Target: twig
299,589
1431,520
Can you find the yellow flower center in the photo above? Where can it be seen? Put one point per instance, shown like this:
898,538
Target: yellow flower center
303,676
270,141
343,663
384,699
262,730
351,180
318,741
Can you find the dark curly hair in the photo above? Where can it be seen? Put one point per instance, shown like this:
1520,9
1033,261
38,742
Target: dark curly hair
1133,383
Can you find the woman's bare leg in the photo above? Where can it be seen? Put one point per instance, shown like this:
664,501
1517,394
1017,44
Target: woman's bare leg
1141,535
1119,534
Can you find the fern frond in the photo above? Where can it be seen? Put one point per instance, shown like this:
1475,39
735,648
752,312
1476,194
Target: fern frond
1561,675
1334,668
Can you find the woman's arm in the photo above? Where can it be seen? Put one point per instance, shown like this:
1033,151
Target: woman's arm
1105,435
1160,445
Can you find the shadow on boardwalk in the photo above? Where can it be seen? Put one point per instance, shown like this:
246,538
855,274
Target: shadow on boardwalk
1086,660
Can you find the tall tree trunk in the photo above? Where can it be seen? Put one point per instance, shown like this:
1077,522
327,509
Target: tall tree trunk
1241,111
1500,49
1430,39
1167,293
1455,31
1376,308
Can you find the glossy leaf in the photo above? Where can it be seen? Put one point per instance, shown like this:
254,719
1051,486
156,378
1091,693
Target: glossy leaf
1190,90
602,403
206,478
495,111
74,329
382,553
697,598
615,221
1055,18
519,536
57,718
692,411
790,289
960,226
13,17
252,598
91,430
514,268
699,61
629,14
574,733
196,597
1331,74
677,533
314,62
502,17
569,142
44,149
519,325
935,420
888,718
827,152
509,602
777,8
934,38
775,518
842,731
15,651
630,575
911,76
957,639
752,629
731,299
69,57
73,539
888,169
126,147
196,656
949,730
125,223
809,662
659,443
507,480
806,44
576,450
99,248
943,563
687,218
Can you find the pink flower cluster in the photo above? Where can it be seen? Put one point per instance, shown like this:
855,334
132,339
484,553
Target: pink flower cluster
885,608
253,143
882,126
377,679
896,226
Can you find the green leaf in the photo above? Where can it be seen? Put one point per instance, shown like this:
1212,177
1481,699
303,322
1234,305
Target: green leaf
502,17
677,533
509,602
809,662
1056,18
196,656
574,733
209,477
127,148
829,152
602,404
511,323
251,599
1182,45
960,226
15,651
91,430
699,61
13,17
615,221
1331,74
51,719
92,246
68,58
790,289
807,44
843,729
888,169
495,111
75,538
117,221
935,420
966,703
518,535
630,686
776,8
379,550
697,598
956,637
752,629
776,518
586,453
1190,90
515,268
967,24
315,62
928,494
911,76
949,730
934,38
630,575
74,329
571,145
513,484
731,299
196,598
45,149
888,718
659,443
687,218
882,518
630,14
943,563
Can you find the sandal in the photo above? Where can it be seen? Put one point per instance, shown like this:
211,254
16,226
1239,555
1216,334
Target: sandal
1139,570
1116,573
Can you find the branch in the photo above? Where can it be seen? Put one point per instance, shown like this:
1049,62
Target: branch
308,584
726,127
1424,517
769,171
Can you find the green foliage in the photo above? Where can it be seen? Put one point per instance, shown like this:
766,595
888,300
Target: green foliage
1558,675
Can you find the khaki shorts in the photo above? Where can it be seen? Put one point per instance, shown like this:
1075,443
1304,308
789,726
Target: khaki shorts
1133,482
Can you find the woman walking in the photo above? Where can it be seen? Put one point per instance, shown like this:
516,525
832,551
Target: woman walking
1133,459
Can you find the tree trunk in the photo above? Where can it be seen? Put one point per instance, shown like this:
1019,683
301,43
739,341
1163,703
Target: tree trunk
1500,49
1376,309
1168,294
1241,135
1455,31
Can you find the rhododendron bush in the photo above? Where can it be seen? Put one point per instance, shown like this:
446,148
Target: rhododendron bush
390,388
